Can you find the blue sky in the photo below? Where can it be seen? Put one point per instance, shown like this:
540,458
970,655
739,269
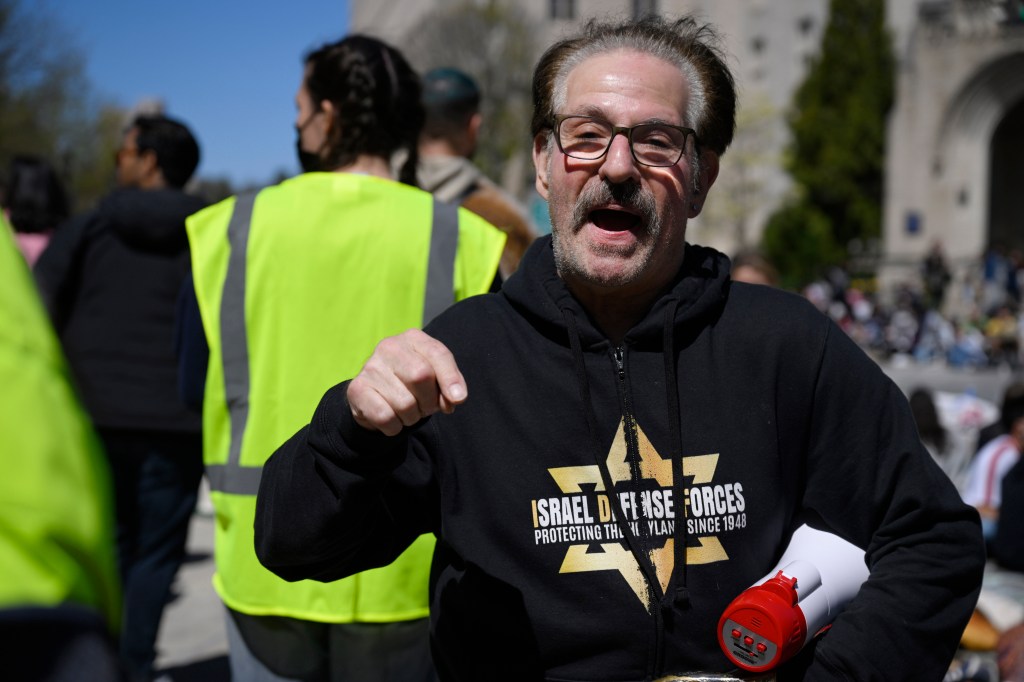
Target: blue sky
228,68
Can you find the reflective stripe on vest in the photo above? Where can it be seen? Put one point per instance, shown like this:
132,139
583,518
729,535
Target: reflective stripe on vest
232,477
444,242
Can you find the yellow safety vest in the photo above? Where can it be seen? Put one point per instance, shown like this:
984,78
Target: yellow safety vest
296,285
56,504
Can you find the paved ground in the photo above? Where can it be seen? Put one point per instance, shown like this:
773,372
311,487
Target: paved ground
192,646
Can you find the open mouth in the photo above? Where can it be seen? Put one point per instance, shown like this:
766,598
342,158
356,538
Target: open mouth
614,220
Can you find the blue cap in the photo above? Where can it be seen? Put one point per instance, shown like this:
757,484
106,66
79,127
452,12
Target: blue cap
447,84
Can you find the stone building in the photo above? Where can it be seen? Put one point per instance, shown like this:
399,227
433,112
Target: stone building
955,159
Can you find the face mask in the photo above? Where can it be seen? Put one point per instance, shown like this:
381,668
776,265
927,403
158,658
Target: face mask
309,161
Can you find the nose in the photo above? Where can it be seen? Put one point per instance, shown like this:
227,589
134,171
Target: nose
619,164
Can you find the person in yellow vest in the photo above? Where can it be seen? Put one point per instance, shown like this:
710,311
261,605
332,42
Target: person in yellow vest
339,252
60,600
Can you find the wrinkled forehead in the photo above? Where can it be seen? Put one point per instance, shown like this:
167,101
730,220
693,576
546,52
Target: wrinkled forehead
623,79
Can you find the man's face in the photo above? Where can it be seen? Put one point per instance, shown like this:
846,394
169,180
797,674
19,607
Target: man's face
129,162
618,225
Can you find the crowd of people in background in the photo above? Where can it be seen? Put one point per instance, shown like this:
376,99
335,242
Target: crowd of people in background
970,321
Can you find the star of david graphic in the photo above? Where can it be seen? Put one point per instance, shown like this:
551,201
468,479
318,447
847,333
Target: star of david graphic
613,556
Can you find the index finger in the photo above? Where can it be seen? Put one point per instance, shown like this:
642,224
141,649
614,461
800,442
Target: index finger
450,382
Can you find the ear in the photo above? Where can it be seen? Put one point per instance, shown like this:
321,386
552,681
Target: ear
151,174
466,144
706,178
148,159
327,107
541,160
474,126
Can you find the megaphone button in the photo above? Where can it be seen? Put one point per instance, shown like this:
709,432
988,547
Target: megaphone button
736,633
748,640
761,647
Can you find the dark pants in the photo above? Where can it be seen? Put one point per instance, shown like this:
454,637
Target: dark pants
279,649
64,643
156,483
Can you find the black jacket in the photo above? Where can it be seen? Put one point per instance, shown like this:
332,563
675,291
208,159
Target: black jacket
738,403
111,279
1008,544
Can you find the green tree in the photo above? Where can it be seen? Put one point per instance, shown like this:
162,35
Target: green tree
837,150
799,242
740,188
494,43
46,104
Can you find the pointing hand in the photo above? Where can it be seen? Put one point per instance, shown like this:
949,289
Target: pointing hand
408,377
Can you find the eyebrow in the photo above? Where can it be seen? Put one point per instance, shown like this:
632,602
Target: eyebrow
597,112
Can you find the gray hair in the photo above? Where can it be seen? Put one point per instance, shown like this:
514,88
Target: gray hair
692,47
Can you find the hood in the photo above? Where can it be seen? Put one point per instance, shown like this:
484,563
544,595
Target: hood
150,220
698,291
449,178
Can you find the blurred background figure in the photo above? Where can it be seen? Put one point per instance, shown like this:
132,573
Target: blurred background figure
949,424
754,268
983,488
449,140
996,487
59,594
1008,542
929,427
111,278
962,415
936,276
1002,334
34,203
296,285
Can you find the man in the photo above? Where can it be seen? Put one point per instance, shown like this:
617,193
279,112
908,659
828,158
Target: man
622,440
989,467
296,285
111,278
447,145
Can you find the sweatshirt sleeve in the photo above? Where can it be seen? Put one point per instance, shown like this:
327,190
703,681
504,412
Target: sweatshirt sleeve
870,479
336,499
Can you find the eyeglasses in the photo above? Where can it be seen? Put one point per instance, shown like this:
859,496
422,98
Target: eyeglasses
652,144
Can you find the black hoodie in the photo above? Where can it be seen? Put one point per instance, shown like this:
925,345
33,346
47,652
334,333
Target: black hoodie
741,404
111,279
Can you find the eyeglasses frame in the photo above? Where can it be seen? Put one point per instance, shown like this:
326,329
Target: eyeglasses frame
625,131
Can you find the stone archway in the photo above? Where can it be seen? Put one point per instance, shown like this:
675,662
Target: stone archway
1006,207
953,166
972,155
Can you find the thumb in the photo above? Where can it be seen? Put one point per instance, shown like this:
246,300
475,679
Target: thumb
453,391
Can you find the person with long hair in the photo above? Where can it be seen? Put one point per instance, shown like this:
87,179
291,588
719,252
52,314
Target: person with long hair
295,286
34,202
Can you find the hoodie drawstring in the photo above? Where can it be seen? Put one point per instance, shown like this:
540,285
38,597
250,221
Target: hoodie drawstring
679,537
646,567
680,595
676,593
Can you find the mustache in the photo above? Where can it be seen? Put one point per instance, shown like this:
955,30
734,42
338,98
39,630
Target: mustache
631,195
